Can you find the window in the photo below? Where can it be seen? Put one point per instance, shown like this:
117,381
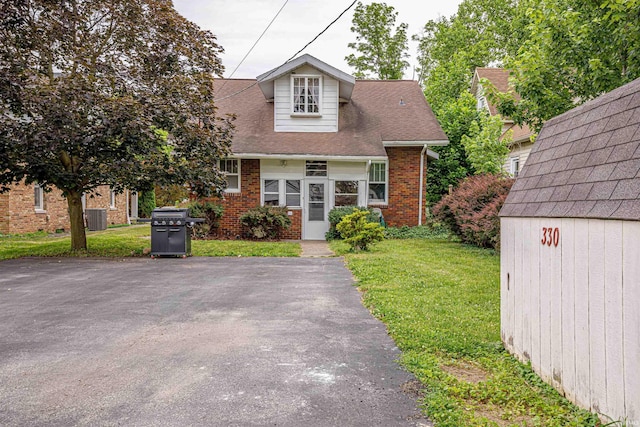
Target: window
292,192
346,193
316,168
515,166
231,169
275,194
271,192
378,183
38,197
306,94
112,199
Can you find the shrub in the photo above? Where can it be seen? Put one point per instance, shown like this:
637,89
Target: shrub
435,231
146,203
471,210
358,231
336,215
265,222
211,213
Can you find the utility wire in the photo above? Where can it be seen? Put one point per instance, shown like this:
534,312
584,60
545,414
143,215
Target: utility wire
290,59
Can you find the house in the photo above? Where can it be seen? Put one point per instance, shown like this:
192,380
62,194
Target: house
27,208
570,255
311,137
521,143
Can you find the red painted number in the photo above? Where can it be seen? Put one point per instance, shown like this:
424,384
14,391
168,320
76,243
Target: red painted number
550,236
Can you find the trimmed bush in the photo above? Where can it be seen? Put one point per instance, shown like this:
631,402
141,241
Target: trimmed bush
265,222
336,215
471,210
211,213
146,203
358,231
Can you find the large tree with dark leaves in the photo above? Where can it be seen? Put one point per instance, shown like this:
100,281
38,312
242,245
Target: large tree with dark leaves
101,92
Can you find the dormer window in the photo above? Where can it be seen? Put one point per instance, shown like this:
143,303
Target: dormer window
306,92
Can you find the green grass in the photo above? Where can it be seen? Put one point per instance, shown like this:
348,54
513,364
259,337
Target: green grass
440,301
131,241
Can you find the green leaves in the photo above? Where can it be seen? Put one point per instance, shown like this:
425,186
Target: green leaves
485,148
382,52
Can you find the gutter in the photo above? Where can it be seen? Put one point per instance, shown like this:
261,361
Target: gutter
421,191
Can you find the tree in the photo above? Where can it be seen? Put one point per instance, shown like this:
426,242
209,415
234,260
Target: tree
486,149
574,52
116,92
381,52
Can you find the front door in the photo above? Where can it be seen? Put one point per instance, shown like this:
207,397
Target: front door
316,221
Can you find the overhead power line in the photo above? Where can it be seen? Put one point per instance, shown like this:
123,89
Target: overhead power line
290,59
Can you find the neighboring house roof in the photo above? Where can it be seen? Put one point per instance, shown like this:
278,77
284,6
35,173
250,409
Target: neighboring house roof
394,112
499,77
585,163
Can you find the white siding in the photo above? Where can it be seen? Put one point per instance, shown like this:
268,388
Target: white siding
327,122
573,309
521,151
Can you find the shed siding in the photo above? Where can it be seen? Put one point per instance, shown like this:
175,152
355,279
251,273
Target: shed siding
328,122
572,310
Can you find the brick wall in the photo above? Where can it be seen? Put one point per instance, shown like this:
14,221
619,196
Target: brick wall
19,216
404,187
235,204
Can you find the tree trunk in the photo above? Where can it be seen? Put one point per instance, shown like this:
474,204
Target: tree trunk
78,235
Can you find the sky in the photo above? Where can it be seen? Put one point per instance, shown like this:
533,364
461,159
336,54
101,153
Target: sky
238,24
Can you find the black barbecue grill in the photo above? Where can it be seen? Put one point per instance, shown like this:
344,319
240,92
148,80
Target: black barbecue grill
171,231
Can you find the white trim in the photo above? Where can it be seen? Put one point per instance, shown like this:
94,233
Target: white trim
437,142
259,156
112,200
306,78
420,191
386,185
38,205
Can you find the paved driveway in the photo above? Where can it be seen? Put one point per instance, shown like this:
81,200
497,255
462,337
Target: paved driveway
200,341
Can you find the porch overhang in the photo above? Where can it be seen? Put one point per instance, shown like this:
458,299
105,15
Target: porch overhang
308,157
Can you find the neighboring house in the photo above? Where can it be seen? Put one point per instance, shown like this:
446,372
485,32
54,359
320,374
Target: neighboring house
570,255
310,137
521,143
27,208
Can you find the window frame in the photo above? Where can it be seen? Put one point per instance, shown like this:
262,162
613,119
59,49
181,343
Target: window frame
299,193
282,192
112,199
317,162
336,194
38,198
514,166
385,182
226,174
264,192
306,78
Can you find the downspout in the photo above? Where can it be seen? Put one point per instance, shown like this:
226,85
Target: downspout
366,195
128,207
424,150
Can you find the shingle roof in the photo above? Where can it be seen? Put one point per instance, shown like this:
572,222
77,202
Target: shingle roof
585,163
373,115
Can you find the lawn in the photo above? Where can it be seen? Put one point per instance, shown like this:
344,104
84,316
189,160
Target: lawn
441,303
131,241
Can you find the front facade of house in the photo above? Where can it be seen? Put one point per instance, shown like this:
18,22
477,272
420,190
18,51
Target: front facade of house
570,256
521,143
27,208
310,137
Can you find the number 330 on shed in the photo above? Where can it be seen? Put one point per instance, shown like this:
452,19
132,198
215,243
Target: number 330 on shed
550,236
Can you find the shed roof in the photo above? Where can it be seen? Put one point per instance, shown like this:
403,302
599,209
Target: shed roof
585,163
373,116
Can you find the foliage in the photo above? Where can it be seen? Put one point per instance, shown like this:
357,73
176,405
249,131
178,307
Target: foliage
94,93
486,150
131,241
471,211
575,51
211,212
381,52
432,231
265,222
453,165
358,232
444,315
172,194
336,214
146,203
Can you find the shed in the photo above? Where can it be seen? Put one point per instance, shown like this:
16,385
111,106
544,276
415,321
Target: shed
570,256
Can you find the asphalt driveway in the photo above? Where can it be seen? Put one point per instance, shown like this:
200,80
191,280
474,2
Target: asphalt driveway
198,341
